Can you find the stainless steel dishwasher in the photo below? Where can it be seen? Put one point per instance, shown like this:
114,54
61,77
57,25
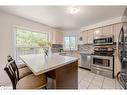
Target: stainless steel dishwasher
85,60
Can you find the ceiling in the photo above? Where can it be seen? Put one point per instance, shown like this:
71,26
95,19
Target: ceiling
59,17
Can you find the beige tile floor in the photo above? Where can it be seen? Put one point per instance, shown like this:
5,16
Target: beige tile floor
89,80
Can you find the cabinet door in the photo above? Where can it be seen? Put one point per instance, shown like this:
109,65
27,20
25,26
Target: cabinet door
90,34
58,37
98,32
108,30
117,64
85,37
80,40
117,28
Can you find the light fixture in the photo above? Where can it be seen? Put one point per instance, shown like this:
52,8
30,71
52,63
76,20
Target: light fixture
73,10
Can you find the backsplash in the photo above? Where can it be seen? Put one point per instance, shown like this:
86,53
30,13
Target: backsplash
86,47
56,48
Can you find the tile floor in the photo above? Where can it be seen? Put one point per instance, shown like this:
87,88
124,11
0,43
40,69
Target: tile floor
88,80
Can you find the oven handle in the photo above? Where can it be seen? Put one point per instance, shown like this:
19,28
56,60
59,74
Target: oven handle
97,68
103,57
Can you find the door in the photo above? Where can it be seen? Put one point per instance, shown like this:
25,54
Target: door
90,36
85,37
117,28
85,61
98,32
108,30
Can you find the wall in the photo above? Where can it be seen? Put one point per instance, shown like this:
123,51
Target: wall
7,23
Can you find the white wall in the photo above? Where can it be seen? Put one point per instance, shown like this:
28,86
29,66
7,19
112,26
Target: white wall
7,23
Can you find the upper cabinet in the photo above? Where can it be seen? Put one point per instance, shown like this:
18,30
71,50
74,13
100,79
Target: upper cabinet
58,37
117,28
103,31
85,37
98,32
108,30
112,30
90,36
80,38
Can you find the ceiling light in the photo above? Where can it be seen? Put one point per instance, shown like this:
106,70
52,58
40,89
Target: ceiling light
73,10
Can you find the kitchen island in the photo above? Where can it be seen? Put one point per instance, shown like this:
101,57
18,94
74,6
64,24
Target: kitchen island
63,69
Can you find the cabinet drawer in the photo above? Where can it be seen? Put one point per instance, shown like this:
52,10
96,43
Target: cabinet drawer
103,72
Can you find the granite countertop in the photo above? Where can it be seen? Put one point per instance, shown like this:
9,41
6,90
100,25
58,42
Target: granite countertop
76,52
38,64
86,52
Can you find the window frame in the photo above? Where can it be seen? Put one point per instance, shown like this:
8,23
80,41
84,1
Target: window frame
25,28
31,32
69,42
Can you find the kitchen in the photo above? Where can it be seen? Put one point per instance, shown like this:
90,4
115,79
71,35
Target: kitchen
90,43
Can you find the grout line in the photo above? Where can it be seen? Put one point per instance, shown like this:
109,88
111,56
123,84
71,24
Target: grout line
91,81
102,83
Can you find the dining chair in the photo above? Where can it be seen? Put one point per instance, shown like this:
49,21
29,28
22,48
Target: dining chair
28,82
23,71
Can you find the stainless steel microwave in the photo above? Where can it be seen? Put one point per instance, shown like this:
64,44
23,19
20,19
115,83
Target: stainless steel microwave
103,40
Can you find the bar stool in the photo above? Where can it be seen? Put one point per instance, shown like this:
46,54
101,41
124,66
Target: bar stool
28,82
23,71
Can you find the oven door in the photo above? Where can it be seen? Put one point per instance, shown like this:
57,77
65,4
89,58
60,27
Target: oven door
105,62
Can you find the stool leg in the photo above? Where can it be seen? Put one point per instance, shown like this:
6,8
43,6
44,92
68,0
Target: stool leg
45,87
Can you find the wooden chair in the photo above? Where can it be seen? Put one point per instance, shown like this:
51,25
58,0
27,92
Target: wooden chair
23,71
28,82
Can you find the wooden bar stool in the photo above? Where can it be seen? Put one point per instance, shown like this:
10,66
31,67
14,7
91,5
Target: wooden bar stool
28,82
23,71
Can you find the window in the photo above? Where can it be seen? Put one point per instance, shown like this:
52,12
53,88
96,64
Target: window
28,38
70,42
27,42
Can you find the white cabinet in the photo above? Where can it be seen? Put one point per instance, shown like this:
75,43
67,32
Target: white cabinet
58,37
103,31
117,64
108,30
90,36
98,32
117,28
85,37
80,38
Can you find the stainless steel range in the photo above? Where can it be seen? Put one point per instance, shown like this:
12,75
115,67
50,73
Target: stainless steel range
103,60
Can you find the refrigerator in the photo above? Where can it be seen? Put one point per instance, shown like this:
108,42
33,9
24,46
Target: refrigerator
122,54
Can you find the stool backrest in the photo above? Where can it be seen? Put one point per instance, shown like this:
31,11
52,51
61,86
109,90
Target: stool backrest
13,73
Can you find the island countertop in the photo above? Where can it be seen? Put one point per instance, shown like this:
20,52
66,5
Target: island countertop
39,64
